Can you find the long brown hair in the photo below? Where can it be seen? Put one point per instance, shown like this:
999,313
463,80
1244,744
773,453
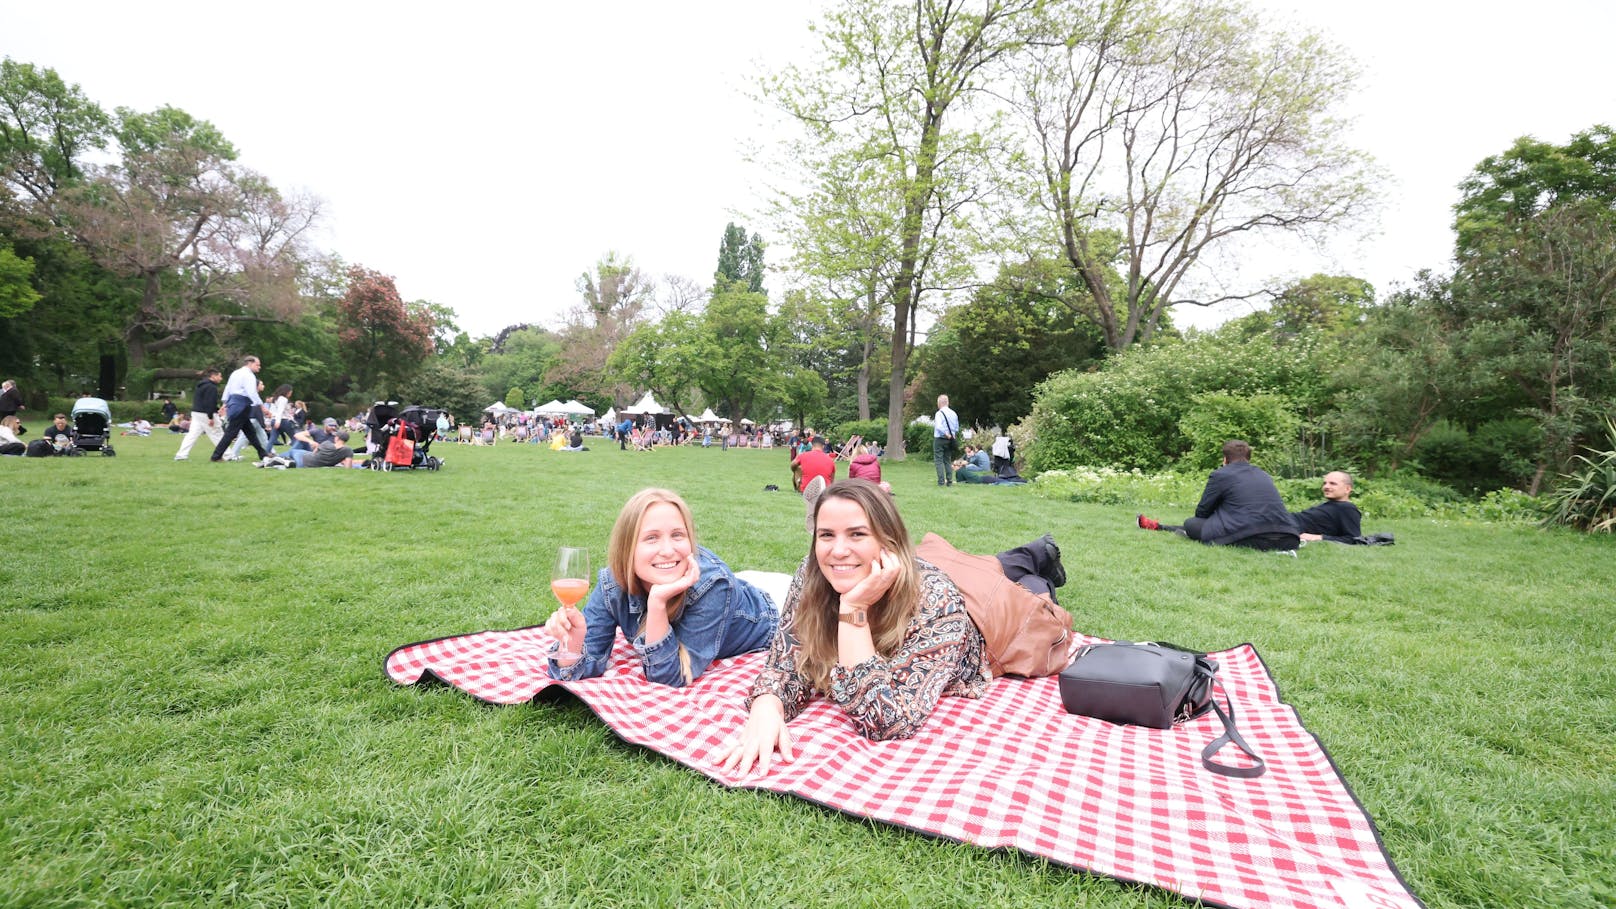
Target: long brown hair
815,622
620,553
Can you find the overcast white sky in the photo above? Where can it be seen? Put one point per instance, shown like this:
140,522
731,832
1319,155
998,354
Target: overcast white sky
486,155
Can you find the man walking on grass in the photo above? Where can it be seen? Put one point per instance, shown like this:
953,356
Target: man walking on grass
240,400
944,430
204,414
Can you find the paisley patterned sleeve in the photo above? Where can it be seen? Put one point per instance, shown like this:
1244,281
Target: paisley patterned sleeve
942,653
780,676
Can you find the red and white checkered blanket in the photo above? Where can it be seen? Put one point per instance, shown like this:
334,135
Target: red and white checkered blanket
1011,769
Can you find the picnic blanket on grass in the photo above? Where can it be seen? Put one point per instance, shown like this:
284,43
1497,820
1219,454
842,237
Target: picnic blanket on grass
1009,770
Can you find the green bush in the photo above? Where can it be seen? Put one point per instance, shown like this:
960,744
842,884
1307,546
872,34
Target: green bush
514,398
1128,414
917,439
122,411
1586,497
1265,421
1497,454
871,430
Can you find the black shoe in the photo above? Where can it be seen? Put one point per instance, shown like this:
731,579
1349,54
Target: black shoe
1054,572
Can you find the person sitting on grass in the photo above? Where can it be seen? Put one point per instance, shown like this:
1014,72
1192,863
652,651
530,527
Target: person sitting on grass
10,444
814,462
865,465
59,435
1335,519
974,467
1239,507
678,604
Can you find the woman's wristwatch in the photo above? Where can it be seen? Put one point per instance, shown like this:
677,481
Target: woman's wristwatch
858,616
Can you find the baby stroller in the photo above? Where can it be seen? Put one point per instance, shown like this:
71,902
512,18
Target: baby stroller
415,425
92,426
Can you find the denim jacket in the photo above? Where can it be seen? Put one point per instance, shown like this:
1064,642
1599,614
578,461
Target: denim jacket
722,616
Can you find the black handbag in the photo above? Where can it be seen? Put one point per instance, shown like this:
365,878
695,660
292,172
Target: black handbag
1153,685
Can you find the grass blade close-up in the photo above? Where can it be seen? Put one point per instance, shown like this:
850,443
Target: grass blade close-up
193,709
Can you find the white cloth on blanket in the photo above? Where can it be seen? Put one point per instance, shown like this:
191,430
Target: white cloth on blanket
773,583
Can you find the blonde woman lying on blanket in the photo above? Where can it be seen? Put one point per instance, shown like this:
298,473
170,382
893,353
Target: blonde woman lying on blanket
677,603
883,634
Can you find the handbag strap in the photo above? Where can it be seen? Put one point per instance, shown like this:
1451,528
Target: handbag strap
1230,734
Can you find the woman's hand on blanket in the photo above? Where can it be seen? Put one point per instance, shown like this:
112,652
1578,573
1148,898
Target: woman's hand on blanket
764,732
567,626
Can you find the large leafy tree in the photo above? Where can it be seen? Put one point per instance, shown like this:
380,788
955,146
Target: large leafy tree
1161,132
740,260
1537,300
1531,177
884,85
844,231
524,359
384,342
612,302
663,357
47,127
736,359
209,243
988,356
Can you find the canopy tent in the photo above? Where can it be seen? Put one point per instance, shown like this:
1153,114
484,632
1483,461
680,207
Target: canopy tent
746,422
579,408
610,417
498,407
551,407
645,405
707,416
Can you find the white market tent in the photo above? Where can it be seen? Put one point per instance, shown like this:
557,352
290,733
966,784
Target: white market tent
645,405
707,416
551,408
575,406
498,407
610,417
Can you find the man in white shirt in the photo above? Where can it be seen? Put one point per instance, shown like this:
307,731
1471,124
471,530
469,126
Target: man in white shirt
944,430
240,400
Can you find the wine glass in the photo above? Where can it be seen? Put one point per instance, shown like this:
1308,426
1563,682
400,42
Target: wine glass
570,582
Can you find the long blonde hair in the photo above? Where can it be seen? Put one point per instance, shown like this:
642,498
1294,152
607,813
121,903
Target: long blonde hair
815,623
620,554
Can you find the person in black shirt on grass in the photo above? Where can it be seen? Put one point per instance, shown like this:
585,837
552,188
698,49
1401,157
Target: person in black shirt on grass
1335,519
59,436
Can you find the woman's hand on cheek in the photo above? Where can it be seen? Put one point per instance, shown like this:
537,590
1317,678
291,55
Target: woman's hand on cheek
660,594
875,585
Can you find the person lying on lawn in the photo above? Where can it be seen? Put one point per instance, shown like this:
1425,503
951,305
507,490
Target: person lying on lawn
1335,519
866,622
677,603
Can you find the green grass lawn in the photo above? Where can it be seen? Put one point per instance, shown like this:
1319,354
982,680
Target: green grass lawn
192,710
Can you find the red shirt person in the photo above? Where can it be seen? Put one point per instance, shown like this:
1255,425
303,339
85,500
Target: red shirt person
814,463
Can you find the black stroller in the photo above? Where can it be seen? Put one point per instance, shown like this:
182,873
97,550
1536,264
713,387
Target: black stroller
414,426
92,426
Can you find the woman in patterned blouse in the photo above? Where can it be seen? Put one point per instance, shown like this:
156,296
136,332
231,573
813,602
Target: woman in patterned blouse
882,633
